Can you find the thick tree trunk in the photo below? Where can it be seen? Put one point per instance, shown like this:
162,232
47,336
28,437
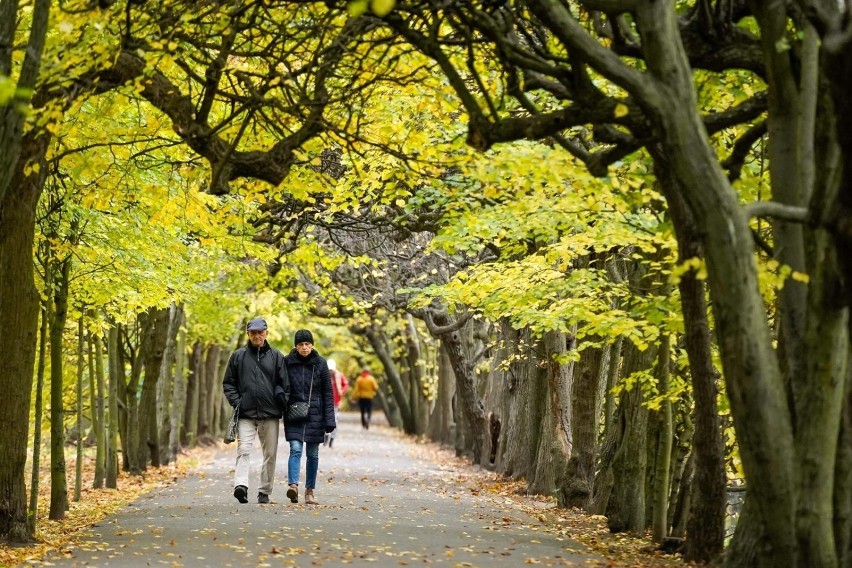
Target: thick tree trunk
469,399
520,424
706,523
19,305
589,374
626,509
164,384
552,401
754,382
153,347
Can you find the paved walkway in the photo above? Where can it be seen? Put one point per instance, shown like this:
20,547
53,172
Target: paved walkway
382,503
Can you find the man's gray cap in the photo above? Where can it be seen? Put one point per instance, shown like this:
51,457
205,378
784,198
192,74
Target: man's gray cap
257,324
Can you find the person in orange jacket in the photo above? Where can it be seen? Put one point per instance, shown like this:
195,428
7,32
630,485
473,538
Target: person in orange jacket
364,391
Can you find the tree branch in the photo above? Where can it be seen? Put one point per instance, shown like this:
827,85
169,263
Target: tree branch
777,211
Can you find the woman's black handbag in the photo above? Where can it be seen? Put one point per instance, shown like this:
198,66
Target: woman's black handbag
297,411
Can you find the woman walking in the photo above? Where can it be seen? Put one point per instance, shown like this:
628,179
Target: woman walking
310,383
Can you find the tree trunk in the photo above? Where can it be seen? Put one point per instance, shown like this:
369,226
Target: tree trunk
415,356
516,457
116,374
470,402
626,509
190,415
178,397
660,522
843,484
164,384
38,417
441,422
99,411
78,469
683,502
19,306
19,303
212,379
58,480
553,384
131,401
152,349
589,371
706,523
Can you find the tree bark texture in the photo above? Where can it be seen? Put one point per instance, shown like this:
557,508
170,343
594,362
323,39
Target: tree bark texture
519,425
164,384
179,382
626,509
19,305
58,473
468,395
441,421
38,411
100,412
190,415
706,523
589,373
116,374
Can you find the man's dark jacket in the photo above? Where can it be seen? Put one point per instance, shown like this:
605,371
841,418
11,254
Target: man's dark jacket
255,391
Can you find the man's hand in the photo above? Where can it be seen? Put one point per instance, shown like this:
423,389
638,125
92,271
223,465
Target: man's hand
329,429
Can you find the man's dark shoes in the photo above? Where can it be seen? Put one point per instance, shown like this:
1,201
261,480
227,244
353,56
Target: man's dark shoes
241,493
262,498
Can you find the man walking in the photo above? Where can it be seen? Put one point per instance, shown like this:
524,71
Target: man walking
253,376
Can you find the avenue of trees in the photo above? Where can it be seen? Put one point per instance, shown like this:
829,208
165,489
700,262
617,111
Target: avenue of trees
602,246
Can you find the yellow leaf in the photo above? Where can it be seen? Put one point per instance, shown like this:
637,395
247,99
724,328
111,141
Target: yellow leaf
800,277
621,110
382,8
357,7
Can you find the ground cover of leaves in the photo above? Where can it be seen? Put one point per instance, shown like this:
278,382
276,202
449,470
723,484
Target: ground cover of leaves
620,550
94,504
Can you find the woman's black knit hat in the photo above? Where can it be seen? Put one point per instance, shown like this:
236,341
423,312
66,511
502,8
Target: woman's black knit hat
302,336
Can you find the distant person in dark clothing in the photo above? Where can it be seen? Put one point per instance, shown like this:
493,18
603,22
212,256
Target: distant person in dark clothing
256,381
363,393
310,382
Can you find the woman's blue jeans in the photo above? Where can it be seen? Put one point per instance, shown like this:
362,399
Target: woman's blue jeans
311,463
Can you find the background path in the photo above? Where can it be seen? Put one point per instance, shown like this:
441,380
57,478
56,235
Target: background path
382,501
